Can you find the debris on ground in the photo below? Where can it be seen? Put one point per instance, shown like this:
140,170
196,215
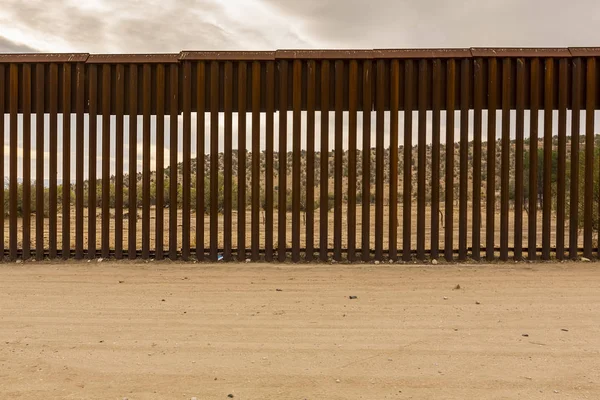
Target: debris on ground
478,303
525,335
434,261
565,330
352,297
457,287
279,290
585,259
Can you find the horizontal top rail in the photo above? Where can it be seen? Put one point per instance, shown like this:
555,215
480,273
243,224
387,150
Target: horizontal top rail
321,54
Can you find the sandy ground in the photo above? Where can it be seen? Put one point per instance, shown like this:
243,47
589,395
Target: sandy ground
172,331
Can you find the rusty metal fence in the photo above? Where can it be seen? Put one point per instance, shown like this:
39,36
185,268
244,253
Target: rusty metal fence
301,155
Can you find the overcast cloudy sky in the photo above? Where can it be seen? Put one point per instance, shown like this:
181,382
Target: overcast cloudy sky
111,26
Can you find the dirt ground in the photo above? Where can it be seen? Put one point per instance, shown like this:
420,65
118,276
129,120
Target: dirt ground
255,331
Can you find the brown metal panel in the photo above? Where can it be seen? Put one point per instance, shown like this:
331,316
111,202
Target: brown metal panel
324,170
3,211
394,106
200,151
379,173
160,161
43,58
575,133
449,187
214,159
227,55
584,51
421,53
242,154
367,104
324,54
533,158
435,157
53,170
282,191
269,172
561,188
310,158
26,161
547,177
421,157
505,167
92,147
39,160
173,148
227,164
14,144
520,136
187,156
478,95
338,160
588,199
491,160
146,106
256,85
520,52
119,108
407,177
79,149
133,126
465,100
106,133
132,58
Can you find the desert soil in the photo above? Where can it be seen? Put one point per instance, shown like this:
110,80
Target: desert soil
255,331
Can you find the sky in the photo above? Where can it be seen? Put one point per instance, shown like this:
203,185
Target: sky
158,26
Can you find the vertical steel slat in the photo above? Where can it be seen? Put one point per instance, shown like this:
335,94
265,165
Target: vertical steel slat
562,150
39,160
200,151
379,173
66,162
119,109
92,151
338,160
588,200
187,161
270,111
14,145
133,126
214,159
324,168
310,160
394,108
575,133
407,177
547,199
53,170
255,228
367,80
79,149
504,169
2,155
282,191
173,149
421,158
533,159
491,160
147,90
479,87
520,135
465,99
435,157
449,187
227,161
296,147
26,161
242,154
160,161
106,132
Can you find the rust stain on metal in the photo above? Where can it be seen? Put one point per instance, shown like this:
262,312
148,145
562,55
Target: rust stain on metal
43,57
520,52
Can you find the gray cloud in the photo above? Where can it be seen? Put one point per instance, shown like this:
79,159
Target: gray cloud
8,46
